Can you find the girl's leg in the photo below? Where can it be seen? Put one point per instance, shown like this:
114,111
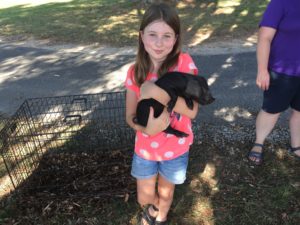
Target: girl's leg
265,123
146,194
165,193
295,130
145,172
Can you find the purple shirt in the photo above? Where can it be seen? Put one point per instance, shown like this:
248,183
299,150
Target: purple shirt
284,16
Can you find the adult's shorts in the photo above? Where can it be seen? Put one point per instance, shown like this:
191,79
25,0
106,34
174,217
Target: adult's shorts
283,92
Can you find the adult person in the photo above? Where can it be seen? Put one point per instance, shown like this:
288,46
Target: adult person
278,64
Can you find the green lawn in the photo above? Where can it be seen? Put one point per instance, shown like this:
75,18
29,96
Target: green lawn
116,22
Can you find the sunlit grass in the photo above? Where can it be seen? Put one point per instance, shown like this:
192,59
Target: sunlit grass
229,3
27,3
116,22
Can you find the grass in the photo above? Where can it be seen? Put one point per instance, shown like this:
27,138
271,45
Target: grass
115,22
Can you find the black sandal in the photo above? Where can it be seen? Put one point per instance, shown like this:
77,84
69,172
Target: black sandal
258,156
145,216
293,150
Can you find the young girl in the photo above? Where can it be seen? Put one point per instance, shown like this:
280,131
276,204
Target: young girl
159,158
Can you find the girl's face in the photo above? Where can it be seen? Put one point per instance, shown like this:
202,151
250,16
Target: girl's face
158,38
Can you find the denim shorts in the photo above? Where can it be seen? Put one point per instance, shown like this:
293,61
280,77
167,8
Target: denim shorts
283,92
173,170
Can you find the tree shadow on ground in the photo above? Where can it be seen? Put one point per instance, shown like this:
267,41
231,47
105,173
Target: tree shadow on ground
229,191
117,22
40,72
221,20
221,188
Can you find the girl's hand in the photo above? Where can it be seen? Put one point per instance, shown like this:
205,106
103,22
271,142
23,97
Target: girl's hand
156,125
150,90
263,80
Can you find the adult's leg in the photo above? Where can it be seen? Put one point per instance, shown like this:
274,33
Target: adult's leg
165,194
146,194
295,130
265,123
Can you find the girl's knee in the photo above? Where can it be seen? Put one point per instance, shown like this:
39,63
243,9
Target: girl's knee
165,194
166,197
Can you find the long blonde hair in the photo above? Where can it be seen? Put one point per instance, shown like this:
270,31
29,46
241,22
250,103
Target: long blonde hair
143,63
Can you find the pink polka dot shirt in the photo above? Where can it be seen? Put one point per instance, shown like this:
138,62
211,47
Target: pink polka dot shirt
164,146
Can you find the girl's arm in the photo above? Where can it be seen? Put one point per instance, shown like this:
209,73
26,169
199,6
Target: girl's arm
181,108
150,90
154,125
265,37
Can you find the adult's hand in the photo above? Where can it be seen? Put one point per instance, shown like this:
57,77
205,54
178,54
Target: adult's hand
263,80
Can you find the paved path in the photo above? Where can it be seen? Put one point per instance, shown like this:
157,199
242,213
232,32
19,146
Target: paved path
35,70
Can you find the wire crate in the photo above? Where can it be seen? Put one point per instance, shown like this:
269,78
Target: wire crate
69,145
